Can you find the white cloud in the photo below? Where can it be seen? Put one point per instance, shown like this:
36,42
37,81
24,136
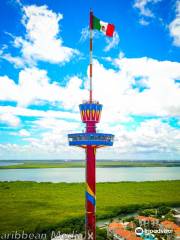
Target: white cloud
17,61
21,111
141,5
145,11
139,86
9,119
42,41
159,97
151,136
174,26
112,42
34,85
52,142
57,124
8,89
84,34
54,138
24,133
19,3
143,22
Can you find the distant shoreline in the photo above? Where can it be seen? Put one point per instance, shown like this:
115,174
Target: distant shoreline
20,164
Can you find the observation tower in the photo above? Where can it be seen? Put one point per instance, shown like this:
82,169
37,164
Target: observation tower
90,111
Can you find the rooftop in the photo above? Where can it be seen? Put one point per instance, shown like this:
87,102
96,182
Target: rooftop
115,225
144,218
128,235
170,224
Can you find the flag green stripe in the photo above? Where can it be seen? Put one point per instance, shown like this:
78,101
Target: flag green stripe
96,23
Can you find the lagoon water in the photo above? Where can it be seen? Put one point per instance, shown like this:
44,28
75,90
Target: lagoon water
6,163
103,174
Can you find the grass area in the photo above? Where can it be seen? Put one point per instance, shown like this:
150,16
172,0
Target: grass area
75,164
29,205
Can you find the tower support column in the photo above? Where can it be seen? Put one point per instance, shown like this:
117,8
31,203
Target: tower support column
90,141
90,193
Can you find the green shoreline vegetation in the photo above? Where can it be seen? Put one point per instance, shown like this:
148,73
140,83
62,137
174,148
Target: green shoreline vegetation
81,164
43,207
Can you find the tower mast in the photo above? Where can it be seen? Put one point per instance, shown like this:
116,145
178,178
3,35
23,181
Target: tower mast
91,46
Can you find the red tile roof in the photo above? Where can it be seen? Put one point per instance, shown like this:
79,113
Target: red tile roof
115,225
128,235
123,233
133,238
177,232
149,219
169,225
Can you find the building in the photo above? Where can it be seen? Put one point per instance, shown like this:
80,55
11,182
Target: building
171,226
115,225
144,221
122,234
118,231
168,225
177,233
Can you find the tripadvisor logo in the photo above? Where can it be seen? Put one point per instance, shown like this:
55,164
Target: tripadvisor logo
139,231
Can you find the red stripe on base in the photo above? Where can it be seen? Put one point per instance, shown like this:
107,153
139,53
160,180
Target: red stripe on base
110,30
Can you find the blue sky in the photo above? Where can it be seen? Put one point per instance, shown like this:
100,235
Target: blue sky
44,57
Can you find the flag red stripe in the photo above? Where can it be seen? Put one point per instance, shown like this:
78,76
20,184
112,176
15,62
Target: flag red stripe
110,30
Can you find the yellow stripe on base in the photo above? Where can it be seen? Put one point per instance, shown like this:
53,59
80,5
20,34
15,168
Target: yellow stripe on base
90,191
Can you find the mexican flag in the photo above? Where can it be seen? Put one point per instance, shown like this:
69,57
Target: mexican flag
106,28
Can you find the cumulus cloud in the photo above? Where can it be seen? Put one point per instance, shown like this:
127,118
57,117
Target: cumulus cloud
54,123
25,112
174,26
151,136
34,85
16,61
51,142
54,135
42,41
9,119
139,86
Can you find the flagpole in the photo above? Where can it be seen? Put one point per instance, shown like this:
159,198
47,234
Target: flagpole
91,45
